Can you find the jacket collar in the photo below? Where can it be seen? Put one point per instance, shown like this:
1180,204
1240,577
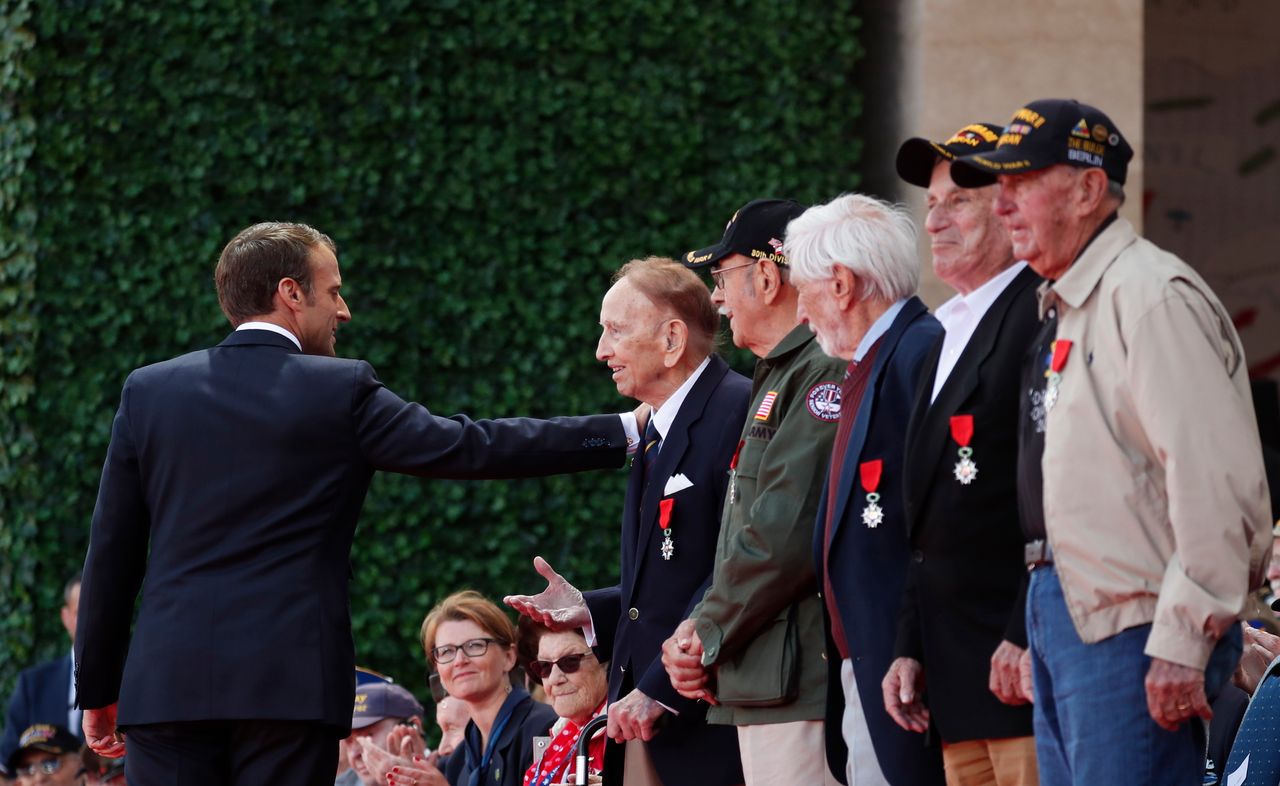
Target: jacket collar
1081,279
259,338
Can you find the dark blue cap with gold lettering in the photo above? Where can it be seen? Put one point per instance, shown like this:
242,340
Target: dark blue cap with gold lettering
755,231
918,156
1047,132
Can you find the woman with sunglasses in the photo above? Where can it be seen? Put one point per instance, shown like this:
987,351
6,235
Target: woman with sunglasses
577,685
471,643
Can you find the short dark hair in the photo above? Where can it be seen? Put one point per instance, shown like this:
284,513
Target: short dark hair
253,263
670,284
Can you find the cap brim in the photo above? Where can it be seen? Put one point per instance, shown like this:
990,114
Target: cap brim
704,257
916,159
981,169
360,723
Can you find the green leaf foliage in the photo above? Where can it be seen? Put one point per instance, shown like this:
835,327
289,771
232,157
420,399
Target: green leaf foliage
483,166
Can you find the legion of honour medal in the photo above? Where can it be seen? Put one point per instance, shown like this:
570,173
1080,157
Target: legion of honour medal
962,432
1061,348
872,513
664,520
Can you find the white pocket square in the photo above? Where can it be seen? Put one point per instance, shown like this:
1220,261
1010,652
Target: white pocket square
677,482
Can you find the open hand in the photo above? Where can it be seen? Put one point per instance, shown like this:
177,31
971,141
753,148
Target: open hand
903,688
559,607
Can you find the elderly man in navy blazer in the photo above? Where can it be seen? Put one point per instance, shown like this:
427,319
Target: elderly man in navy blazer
658,328
230,494
853,261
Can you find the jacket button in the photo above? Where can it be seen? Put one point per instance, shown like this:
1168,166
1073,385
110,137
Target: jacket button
917,556
633,613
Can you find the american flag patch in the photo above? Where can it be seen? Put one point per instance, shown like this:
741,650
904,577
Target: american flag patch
766,406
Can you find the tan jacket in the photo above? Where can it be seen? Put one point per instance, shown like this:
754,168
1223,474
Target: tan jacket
1155,499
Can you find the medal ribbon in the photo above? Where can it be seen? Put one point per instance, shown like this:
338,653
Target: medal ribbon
734,464
962,429
870,472
1061,348
664,512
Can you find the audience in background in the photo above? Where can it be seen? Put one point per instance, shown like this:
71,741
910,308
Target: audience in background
577,686
47,755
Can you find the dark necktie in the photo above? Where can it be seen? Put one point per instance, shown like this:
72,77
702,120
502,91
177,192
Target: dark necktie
652,444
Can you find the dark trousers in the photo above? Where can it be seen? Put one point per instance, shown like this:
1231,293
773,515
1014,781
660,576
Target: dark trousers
231,753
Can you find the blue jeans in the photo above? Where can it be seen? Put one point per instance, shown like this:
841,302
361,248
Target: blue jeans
1091,719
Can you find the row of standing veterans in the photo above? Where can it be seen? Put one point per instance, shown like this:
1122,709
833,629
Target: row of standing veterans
1168,577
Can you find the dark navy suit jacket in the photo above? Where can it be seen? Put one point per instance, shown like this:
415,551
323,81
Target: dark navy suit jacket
964,591
634,618
242,470
40,696
869,566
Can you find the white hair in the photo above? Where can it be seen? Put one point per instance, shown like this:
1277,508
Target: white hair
873,238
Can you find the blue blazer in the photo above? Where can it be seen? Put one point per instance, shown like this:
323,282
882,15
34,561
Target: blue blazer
40,696
869,566
634,618
230,495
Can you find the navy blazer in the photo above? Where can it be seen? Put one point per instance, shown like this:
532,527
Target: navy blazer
230,495
967,571
869,566
634,618
513,749
40,696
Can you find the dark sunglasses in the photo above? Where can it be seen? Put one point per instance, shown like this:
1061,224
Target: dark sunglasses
568,664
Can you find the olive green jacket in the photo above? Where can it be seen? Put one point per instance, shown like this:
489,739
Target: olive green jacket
760,621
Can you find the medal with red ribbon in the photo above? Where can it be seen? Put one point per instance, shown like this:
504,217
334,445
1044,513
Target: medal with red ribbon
962,432
664,520
733,473
1058,360
872,514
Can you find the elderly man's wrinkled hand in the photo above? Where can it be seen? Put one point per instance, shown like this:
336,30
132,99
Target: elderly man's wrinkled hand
1175,693
903,689
559,607
633,717
1006,678
1260,648
682,658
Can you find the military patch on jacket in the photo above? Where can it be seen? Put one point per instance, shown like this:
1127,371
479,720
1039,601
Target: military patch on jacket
761,432
823,401
766,405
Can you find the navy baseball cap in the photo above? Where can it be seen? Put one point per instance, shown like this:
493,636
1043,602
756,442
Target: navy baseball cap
755,231
1047,132
378,700
44,737
918,156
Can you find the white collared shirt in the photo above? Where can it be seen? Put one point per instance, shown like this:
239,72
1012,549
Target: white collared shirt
665,415
73,714
273,328
960,317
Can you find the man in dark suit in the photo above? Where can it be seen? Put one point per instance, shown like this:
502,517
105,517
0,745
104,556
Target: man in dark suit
962,631
658,333
43,693
231,491
853,261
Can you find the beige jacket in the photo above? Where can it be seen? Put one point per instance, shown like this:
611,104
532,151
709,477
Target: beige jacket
1155,499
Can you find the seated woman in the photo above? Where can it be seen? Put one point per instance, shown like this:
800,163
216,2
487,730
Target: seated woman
577,686
471,642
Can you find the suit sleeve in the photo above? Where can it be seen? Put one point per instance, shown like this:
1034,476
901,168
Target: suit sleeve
768,564
605,606
400,436
909,643
113,568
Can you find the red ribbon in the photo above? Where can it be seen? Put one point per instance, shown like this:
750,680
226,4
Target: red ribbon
664,511
962,429
870,471
1061,348
734,464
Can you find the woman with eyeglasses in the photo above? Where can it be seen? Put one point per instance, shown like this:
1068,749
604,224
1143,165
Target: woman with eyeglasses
577,685
471,643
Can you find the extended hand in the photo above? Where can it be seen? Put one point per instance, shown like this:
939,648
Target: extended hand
903,687
1175,693
682,658
559,607
1006,677
633,716
100,732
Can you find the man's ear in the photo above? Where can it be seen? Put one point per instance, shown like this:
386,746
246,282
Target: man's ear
1090,190
676,338
844,287
768,280
290,294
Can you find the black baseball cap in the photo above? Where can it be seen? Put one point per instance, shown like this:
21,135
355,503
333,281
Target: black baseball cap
44,737
918,156
756,231
1047,132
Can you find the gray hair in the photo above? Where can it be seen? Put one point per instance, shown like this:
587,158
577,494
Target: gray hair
874,239
1115,190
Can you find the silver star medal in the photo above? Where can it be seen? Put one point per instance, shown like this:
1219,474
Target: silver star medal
668,545
966,471
872,514
1051,390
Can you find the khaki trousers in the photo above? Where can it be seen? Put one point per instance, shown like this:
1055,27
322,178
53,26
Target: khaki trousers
794,752
1007,762
638,768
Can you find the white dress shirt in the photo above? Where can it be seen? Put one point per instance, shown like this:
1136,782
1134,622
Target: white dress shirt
273,328
960,317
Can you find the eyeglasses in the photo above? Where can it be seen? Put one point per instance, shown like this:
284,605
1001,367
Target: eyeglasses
472,648
718,275
48,767
568,664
